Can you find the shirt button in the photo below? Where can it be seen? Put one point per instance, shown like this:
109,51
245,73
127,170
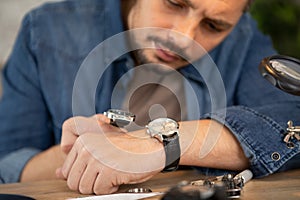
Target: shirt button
275,156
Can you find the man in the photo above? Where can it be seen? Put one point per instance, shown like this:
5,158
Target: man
41,72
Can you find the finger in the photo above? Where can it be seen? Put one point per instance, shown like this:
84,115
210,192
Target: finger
81,125
103,185
139,178
69,161
102,118
108,128
69,125
67,141
77,170
88,179
69,134
104,123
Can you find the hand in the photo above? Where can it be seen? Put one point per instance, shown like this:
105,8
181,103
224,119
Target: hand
76,126
100,163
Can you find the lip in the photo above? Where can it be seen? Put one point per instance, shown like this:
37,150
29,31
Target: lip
165,55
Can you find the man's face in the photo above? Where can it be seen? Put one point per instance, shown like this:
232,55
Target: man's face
184,23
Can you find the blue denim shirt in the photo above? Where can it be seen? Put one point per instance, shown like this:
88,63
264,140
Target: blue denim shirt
55,38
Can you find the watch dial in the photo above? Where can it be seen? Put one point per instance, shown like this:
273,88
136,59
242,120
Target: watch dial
162,125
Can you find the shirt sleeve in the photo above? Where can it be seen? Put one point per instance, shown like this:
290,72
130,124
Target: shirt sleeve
259,114
24,127
260,136
10,171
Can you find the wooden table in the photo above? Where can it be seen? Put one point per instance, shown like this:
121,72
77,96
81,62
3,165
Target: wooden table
284,185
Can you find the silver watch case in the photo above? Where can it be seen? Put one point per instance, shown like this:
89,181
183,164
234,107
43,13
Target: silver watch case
162,128
119,115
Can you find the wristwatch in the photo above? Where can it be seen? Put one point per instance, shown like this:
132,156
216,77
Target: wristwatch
166,131
119,118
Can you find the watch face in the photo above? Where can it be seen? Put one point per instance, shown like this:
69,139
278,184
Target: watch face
163,126
120,115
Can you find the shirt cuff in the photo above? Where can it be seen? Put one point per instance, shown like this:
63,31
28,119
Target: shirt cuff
11,166
260,137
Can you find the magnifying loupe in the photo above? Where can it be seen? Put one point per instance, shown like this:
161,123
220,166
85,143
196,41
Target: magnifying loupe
283,72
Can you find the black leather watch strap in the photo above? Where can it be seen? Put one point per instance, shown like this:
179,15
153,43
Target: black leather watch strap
172,150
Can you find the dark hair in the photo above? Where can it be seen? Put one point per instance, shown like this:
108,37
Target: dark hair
248,5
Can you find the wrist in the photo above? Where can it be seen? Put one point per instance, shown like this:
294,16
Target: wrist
138,143
50,159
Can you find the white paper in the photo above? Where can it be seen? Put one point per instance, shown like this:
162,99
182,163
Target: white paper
120,196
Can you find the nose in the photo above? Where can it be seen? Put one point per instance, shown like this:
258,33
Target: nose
183,33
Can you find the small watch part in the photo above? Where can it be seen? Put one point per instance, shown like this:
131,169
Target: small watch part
292,132
139,190
233,184
119,118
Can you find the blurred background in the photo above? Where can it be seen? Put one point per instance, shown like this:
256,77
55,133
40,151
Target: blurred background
281,20
278,18
11,14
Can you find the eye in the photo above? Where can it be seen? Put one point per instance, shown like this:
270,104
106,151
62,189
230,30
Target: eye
174,4
211,26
